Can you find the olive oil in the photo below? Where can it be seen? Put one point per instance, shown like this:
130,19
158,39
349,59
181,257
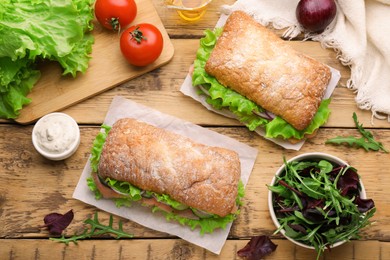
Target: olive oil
189,10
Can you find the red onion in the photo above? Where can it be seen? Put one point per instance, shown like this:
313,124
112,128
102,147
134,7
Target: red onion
316,15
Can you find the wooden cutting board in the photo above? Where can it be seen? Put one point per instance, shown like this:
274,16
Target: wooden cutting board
107,69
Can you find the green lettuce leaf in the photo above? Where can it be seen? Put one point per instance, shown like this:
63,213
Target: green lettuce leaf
31,31
132,192
92,186
51,29
246,111
16,81
206,225
280,128
166,199
97,147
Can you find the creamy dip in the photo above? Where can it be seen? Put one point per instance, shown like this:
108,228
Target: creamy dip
56,133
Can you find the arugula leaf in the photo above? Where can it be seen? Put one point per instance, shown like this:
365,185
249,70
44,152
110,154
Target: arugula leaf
367,142
96,229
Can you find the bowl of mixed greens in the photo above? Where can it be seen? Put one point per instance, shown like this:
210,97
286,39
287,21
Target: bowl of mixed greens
318,201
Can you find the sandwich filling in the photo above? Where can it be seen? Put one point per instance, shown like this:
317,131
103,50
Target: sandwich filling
125,193
246,111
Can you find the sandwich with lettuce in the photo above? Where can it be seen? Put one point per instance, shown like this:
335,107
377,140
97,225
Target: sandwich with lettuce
186,182
247,69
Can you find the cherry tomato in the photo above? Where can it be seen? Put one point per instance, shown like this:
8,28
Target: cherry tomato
115,14
141,44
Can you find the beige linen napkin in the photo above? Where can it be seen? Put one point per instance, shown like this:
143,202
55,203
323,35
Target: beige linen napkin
360,34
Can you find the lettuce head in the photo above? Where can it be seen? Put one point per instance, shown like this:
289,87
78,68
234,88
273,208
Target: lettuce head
31,31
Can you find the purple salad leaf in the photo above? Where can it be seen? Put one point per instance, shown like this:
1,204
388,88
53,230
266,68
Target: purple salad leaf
348,183
364,205
256,248
298,228
56,222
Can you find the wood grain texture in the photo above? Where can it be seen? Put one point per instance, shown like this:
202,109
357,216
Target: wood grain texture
107,69
32,186
39,186
175,249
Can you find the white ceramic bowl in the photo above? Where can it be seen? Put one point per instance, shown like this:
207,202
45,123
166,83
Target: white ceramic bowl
302,157
56,136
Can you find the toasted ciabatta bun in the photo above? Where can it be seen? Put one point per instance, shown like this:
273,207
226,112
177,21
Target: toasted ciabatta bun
154,159
256,63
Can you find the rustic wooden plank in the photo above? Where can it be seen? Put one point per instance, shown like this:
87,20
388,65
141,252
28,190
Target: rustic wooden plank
178,28
32,186
176,249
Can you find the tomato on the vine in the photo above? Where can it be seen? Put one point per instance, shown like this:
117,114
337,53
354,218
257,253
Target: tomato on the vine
115,14
141,44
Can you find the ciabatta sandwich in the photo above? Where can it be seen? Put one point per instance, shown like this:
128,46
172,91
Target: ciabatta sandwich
194,184
246,68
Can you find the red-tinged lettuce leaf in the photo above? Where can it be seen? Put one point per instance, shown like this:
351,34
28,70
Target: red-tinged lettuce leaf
348,183
257,248
364,205
56,222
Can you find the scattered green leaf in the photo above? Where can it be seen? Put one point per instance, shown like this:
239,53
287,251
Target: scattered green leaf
366,142
96,229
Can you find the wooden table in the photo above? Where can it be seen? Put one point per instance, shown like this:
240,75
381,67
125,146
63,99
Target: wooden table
32,186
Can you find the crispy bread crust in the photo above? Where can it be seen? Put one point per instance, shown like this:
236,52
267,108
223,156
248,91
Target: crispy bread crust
256,63
155,159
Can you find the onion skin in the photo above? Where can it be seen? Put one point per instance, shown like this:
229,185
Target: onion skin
315,15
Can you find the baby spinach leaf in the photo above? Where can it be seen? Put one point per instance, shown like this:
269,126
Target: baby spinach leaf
290,232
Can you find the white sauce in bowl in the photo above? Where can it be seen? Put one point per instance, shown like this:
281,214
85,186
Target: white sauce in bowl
56,136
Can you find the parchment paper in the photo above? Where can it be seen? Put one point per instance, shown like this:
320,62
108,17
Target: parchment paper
120,108
189,90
